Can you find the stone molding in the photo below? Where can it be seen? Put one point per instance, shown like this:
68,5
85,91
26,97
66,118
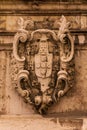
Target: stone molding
41,8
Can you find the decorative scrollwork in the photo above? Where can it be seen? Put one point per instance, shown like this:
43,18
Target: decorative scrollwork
48,70
22,75
19,37
23,24
44,31
62,35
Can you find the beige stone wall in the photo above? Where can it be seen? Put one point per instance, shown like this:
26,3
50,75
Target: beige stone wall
40,123
74,103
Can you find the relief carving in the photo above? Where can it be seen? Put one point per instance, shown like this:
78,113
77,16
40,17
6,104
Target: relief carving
46,63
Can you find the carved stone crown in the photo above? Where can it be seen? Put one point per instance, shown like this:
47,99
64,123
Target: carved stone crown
46,63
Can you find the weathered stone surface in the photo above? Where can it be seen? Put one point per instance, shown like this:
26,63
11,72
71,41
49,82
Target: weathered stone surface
3,62
9,23
73,103
76,99
40,123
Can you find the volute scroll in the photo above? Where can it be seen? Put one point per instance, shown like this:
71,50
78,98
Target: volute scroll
21,36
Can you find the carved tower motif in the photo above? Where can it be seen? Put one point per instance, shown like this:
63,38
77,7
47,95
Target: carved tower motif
45,60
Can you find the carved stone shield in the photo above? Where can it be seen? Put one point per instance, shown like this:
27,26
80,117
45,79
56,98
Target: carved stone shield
46,63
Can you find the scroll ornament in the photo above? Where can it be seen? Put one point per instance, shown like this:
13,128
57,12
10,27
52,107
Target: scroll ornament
47,69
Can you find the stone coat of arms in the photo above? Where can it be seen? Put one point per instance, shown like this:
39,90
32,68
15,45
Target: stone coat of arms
45,60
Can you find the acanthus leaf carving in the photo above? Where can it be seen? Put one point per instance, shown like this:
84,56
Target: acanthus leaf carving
63,35
47,70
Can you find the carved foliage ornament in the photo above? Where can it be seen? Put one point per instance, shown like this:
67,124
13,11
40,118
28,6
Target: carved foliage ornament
46,63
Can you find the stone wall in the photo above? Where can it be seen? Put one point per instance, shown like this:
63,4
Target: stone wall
74,103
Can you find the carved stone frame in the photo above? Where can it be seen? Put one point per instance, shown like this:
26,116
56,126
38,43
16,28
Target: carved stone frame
64,71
